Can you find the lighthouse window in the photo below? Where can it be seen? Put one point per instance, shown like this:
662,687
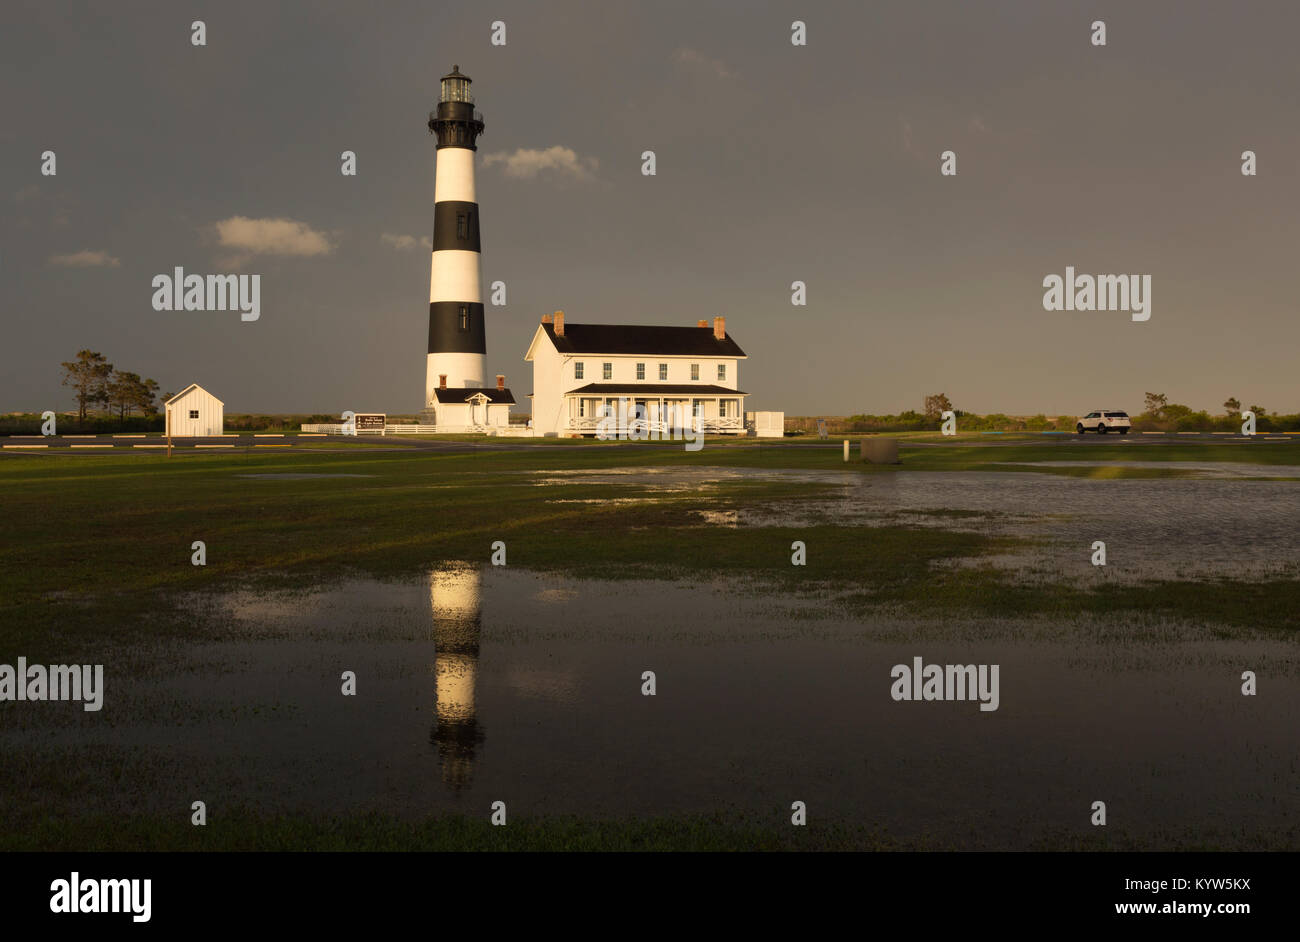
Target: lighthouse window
462,225
607,371
640,371
577,370
695,371
464,317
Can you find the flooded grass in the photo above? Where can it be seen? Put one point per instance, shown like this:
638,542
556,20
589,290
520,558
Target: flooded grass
523,682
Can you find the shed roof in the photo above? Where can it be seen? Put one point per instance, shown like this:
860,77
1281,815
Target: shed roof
187,390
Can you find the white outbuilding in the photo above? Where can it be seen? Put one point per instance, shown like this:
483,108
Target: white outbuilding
194,412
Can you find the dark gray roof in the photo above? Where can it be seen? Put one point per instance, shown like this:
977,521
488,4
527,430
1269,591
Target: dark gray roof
462,393
650,390
632,339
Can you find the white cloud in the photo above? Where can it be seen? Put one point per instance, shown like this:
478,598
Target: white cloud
405,243
271,237
526,163
693,57
85,259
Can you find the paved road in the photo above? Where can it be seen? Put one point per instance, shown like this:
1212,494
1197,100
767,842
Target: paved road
102,443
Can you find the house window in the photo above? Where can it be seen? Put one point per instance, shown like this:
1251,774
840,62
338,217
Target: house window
462,225
607,371
582,408
695,408
663,372
464,317
640,371
722,371
577,370
194,413
695,371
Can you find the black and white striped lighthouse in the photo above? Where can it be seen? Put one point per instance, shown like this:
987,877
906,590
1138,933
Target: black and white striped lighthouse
457,344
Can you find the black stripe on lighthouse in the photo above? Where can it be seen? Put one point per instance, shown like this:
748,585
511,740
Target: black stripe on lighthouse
456,327
455,226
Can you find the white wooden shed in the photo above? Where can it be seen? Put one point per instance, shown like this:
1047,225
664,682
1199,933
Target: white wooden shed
194,412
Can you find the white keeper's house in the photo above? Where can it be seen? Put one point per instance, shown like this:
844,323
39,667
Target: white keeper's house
582,372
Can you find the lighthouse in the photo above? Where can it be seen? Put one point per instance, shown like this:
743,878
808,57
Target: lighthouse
457,344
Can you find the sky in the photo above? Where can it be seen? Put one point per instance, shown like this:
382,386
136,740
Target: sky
775,163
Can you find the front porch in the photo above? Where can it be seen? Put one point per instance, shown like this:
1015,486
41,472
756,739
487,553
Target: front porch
588,414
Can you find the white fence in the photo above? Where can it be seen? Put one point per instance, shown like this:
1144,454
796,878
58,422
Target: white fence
507,431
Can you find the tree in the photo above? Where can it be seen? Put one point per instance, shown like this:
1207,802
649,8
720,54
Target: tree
122,391
1156,403
1259,411
88,375
1232,405
146,397
936,406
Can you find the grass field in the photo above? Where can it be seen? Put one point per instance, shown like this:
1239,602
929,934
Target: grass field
86,535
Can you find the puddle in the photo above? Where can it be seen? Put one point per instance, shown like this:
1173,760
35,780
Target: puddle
1221,526
1204,469
482,685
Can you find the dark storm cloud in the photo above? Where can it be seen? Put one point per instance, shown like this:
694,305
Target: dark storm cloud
775,163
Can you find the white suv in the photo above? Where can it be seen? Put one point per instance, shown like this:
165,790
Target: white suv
1103,421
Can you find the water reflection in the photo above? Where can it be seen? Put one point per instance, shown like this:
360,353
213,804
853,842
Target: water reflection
455,597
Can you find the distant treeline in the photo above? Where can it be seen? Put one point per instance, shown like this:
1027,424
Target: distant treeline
910,421
1160,415
1173,418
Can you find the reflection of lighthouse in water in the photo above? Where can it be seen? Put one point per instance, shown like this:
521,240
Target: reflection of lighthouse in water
454,595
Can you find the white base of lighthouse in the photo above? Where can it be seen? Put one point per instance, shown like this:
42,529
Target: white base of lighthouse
461,369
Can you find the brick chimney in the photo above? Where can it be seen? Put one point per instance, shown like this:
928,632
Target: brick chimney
501,381
559,323
442,380
701,323
720,328
546,318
